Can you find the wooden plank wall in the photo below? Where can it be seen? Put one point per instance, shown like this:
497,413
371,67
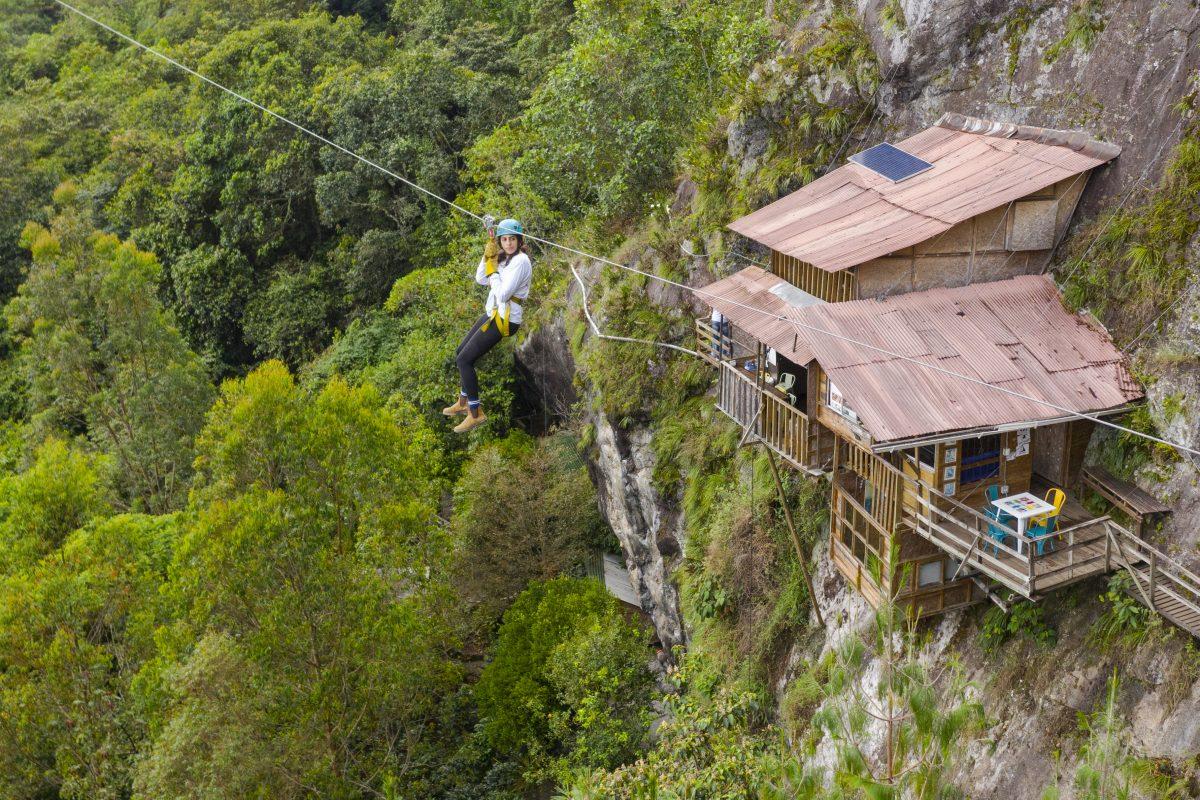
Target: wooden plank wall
832,287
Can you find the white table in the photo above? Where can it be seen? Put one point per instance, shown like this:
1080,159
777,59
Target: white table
1023,506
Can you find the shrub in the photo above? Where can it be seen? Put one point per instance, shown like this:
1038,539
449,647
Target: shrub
1023,619
539,521
567,685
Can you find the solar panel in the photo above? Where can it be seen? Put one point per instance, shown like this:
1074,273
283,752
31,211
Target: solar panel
891,162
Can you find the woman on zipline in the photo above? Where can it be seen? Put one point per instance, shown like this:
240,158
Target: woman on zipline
508,272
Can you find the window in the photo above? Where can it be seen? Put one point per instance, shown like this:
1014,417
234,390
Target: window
929,574
926,455
980,458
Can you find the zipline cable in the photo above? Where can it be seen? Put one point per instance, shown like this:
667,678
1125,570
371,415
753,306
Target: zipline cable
597,331
651,276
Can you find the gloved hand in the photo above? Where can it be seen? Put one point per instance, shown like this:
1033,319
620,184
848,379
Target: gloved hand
490,252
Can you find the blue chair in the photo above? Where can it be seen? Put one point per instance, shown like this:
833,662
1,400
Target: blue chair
1039,532
998,529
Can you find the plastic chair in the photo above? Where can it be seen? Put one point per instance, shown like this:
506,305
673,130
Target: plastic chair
997,529
1056,498
1042,531
1042,526
786,381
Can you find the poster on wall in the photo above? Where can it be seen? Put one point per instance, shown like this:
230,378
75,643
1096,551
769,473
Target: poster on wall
1022,448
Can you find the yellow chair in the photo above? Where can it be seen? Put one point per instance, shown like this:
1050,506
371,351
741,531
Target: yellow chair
1043,526
1056,498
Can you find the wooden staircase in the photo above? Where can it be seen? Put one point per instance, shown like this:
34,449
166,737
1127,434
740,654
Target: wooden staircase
1161,583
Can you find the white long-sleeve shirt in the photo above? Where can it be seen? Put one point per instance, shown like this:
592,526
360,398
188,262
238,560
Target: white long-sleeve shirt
510,282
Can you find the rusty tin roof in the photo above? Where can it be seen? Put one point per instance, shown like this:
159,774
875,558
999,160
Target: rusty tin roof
1013,334
852,214
740,294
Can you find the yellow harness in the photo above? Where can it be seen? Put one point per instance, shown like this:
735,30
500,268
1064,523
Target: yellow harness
501,321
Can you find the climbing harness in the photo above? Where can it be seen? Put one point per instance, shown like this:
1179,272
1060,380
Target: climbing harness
502,320
634,270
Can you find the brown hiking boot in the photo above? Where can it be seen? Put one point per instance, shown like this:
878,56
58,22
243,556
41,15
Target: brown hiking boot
459,407
473,418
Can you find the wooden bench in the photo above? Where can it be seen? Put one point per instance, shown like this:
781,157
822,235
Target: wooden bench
1135,502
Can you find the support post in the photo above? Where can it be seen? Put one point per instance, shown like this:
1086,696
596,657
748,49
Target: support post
787,516
1153,575
1031,548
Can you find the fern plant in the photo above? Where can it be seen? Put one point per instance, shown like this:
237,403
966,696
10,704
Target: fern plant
1084,24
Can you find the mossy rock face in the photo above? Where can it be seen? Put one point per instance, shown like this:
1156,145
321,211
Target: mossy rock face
988,58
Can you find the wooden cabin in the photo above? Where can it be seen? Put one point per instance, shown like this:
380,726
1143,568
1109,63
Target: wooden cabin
900,307
910,450
992,200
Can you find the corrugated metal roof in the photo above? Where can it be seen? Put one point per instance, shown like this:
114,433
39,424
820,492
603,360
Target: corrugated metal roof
1014,334
762,290
852,215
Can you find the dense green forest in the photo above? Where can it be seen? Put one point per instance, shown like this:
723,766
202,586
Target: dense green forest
241,552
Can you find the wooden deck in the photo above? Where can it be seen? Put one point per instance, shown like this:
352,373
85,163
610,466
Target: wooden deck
769,416
1076,552
1084,546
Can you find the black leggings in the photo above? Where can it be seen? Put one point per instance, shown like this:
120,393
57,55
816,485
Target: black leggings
474,345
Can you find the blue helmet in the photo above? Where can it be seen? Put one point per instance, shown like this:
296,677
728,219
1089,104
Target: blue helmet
510,227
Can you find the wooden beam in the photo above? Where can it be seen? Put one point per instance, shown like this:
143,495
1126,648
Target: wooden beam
1153,569
787,515
1132,572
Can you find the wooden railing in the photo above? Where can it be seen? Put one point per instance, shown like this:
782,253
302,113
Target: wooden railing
901,502
848,519
1160,582
780,425
1069,555
738,396
888,484
708,342
714,348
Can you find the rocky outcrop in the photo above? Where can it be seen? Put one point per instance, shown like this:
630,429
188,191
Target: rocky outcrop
1006,60
546,391
648,528
1172,354
1010,60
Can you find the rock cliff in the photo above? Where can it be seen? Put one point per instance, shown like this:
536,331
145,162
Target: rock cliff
1117,69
